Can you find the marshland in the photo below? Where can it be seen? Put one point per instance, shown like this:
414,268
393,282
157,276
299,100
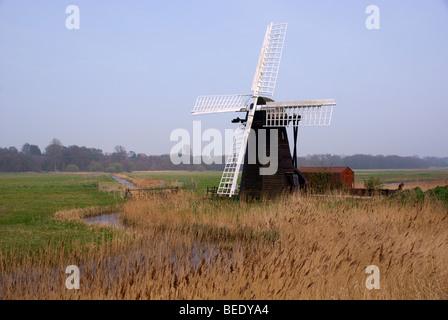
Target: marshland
185,245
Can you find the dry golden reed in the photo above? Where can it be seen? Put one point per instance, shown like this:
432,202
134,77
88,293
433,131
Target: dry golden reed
299,247
79,214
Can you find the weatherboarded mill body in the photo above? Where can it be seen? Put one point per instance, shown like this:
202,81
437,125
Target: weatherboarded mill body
286,178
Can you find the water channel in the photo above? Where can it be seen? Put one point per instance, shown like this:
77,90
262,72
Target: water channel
110,219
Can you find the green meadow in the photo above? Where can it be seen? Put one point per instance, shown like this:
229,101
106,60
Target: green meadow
28,202
405,175
193,180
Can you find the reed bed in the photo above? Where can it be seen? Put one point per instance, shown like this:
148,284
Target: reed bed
298,247
82,213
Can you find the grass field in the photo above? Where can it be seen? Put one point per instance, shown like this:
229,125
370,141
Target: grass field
28,202
186,246
197,181
398,176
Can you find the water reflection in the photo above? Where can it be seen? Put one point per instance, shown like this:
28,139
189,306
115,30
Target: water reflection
126,183
111,219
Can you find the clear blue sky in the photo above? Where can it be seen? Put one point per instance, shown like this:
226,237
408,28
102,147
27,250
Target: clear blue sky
132,72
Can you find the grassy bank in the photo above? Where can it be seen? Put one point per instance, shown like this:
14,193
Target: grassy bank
28,202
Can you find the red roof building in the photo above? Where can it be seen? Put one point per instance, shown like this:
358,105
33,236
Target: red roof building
333,176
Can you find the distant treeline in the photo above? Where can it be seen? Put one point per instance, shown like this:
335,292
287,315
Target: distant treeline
57,157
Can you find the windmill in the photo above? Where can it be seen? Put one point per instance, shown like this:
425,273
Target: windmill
265,115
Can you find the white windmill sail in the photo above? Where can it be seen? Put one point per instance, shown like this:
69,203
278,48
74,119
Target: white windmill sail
266,73
221,103
233,164
305,113
228,183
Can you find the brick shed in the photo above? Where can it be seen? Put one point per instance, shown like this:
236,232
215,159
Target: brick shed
333,176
